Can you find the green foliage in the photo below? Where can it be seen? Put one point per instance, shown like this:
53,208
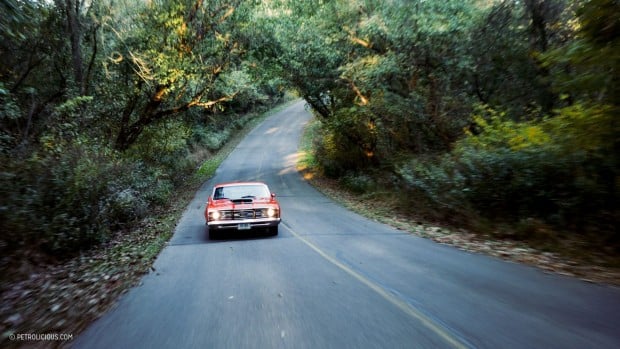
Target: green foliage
497,131
386,77
307,149
164,147
9,112
212,140
101,104
208,168
589,66
559,170
249,93
215,140
358,182
297,41
502,72
600,22
70,201
348,143
97,118
397,86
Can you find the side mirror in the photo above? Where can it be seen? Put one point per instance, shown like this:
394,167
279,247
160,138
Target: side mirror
273,195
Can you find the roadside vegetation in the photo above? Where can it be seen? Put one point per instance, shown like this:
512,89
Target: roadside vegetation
385,205
102,106
111,116
64,295
499,117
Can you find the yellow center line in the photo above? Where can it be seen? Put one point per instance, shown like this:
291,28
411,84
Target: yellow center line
404,306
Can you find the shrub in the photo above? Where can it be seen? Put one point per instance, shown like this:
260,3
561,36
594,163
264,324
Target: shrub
358,182
124,206
560,171
216,139
348,142
432,182
63,207
70,200
163,146
212,138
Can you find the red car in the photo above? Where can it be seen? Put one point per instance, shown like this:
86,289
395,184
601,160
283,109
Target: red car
242,206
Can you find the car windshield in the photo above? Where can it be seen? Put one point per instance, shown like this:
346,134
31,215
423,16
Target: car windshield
241,192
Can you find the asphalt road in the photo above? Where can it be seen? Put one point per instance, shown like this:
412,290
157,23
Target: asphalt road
333,279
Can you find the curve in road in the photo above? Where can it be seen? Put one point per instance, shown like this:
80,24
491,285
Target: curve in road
333,279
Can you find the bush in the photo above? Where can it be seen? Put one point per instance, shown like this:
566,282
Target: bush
216,139
348,143
125,206
56,202
163,147
560,171
69,201
432,187
358,182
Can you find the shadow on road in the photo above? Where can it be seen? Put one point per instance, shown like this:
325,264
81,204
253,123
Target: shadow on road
236,235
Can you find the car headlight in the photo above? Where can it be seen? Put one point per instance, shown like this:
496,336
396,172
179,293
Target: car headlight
271,212
215,215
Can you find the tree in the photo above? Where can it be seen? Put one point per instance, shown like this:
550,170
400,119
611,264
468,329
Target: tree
30,52
386,77
169,60
303,43
73,9
587,67
506,45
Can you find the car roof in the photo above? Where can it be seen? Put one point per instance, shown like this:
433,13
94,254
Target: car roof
233,184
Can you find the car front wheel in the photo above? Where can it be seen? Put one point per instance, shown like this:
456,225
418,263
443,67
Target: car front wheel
273,231
213,234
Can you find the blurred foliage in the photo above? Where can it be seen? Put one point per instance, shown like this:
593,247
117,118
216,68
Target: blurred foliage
102,104
501,110
557,170
386,77
561,170
587,67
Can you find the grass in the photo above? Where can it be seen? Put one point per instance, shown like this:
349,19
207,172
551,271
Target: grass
307,163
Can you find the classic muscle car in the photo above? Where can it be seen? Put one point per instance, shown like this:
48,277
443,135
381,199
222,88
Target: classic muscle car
242,206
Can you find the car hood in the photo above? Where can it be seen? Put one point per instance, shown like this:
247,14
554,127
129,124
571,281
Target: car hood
242,204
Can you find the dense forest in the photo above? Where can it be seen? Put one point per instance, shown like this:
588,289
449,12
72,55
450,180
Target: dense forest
496,115
104,102
503,111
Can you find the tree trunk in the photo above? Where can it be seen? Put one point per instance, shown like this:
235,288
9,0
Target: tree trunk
130,131
72,10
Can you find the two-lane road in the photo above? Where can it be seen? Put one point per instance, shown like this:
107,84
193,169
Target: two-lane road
333,279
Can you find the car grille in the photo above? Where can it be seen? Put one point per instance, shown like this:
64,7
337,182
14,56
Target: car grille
243,214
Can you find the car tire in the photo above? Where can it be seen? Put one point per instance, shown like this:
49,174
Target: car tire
273,231
214,234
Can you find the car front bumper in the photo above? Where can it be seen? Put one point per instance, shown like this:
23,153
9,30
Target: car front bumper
237,224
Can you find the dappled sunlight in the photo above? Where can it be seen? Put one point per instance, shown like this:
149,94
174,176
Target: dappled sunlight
370,248
486,125
272,130
290,163
293,164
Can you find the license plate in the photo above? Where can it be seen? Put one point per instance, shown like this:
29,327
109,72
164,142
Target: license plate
243,226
